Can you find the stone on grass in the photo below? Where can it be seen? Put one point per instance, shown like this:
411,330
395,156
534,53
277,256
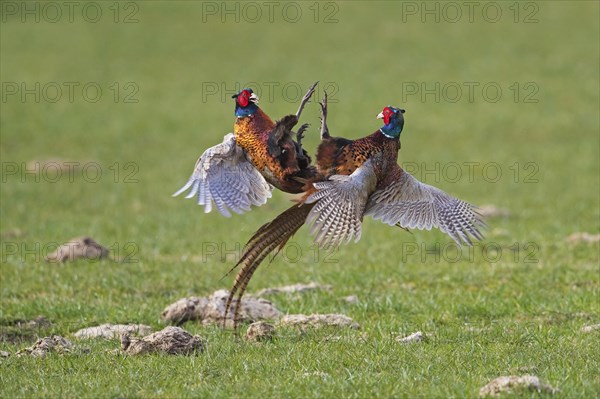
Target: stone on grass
211,310
583,237
4,354
12,233
508,384
185,309
412,338
76,248
53,166
260,332
351,299
170,340
590,328
318,320
295,288
492,211
110,331
46,345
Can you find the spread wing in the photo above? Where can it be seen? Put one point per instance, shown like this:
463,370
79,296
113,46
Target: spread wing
407,202
224,175
340,202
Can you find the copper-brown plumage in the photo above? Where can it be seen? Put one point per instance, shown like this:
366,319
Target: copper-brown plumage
339,156
261,154
252,133
271,148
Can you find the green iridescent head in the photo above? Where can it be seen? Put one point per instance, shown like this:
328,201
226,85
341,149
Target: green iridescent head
393,120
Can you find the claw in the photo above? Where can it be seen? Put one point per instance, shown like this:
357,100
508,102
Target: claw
300,133
305,99
324,128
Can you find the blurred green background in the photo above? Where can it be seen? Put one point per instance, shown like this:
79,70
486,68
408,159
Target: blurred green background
369,58
166,71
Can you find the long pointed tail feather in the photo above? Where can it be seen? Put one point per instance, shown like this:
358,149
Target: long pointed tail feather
271,236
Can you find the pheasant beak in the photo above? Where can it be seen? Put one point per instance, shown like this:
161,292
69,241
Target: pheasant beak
380,115
254,98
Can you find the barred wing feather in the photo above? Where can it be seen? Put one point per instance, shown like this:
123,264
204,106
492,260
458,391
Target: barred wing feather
340,202
407,202
224,175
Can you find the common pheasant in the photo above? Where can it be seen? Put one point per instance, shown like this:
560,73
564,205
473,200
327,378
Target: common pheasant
259,154
357,178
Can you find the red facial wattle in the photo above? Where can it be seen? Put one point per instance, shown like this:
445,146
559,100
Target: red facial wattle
244,98
387,112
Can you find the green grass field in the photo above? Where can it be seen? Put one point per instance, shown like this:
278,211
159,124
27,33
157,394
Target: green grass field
526,139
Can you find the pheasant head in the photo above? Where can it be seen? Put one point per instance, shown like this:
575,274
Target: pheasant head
393,120
246,103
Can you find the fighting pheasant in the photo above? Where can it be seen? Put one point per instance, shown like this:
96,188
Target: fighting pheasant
259,154
357,178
